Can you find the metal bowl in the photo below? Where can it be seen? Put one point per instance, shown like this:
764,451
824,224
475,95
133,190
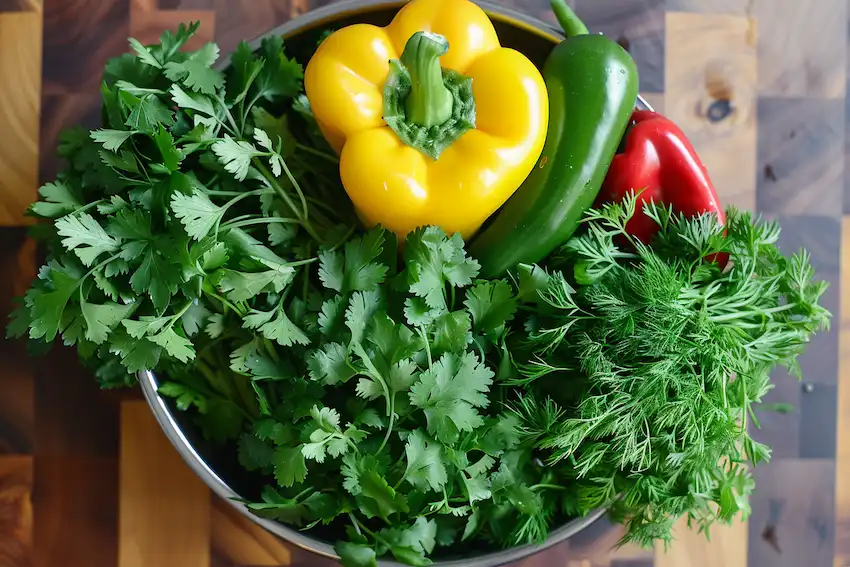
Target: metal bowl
220,471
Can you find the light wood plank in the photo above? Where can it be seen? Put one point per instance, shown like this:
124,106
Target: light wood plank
16,511
165,507
727,548
720,67
842,453
20,96
243,542
802,48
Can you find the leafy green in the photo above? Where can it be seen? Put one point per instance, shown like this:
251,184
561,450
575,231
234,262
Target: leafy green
203,233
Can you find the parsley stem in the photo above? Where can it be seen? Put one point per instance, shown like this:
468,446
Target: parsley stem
227,303
427,346
229,116
265,220
548,487
285,196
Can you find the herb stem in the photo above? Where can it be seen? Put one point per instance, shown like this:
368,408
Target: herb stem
251,222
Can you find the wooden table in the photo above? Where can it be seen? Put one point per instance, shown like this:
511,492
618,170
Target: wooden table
77,487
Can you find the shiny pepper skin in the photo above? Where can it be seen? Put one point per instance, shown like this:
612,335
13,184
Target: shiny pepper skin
395,185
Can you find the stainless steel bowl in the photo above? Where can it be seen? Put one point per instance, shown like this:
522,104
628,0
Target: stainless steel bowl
529,35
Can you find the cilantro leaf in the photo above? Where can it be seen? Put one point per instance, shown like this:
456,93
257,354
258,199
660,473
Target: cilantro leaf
280,75
157,274
175,345
452,332
289,466
192,101
255,454
275,325
356,270
433,261
235,156
59,199
196,72
361,309
147,113
102,319
329,365
111,140
449,392
492,305
425,467
241,286
356,554
197,212
84,235
48,305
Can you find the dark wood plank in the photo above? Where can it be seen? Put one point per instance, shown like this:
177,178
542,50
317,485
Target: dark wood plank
17,263
79,37
637,24
74,417
75,503
15,511
238,20
147,26
800,156
20,5
60,111
793,519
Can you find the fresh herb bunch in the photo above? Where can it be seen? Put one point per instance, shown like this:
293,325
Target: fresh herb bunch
193,198
400,404
646,362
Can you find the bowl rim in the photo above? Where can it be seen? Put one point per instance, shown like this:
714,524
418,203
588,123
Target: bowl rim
165,416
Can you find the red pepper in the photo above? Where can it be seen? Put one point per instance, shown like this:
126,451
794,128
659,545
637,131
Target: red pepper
658,158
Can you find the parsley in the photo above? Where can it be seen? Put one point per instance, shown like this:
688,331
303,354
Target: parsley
401,401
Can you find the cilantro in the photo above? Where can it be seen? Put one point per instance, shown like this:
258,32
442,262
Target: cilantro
449,394
202,232
59,200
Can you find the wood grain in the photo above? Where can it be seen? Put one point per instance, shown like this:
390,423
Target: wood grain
738,7
16,511
798,49
240,541
17,263
20,6
639,24
79,37
75,511
716,72
165,507
801,144
20,69
792,523
147,25
727,548
842,464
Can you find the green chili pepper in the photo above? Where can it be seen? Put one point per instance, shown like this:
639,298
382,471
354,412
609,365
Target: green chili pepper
593,86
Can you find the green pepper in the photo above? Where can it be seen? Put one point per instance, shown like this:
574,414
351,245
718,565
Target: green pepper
593,86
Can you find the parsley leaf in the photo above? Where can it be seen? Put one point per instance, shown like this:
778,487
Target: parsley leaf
449,394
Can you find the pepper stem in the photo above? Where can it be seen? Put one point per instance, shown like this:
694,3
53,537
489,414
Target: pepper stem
569,20
429,102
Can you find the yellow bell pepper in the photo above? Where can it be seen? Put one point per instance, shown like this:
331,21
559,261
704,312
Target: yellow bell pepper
434,121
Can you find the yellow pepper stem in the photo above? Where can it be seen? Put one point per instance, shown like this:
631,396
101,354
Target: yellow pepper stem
426,106
429,102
